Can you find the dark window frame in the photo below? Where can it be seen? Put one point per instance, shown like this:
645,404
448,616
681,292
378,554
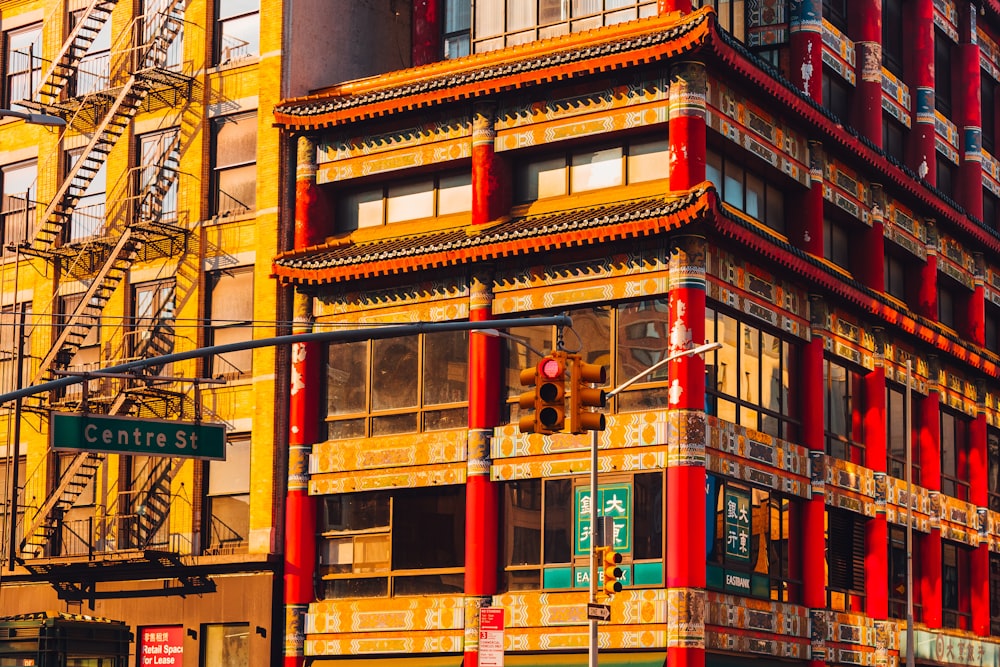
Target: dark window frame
218,169
846,443
224,54
845,559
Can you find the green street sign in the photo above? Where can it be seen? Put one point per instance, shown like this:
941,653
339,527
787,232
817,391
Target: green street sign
738,534
615,501
131,435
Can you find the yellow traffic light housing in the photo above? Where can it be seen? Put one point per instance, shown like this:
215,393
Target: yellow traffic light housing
526,400
608,561
584,397
543,407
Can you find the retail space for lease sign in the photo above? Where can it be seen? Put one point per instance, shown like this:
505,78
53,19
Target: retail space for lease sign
161,646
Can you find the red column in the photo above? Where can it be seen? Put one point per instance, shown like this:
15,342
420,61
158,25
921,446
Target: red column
926,287
877,530
667,6
871,268
806,46
812,528
979,560
303,418
686,155
490,200
868,56
975,317
426,47
969,187
921,83
928,586
685,569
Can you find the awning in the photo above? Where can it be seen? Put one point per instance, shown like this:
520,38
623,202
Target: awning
607,659
385,661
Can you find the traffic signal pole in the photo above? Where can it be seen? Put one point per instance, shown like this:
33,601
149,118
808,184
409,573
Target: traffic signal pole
701,349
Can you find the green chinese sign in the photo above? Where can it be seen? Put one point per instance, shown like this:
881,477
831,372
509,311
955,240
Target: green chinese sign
613,500
737,510
131,435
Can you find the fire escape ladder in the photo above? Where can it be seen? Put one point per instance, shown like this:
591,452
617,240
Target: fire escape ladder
72,483
89,309
151,504
161,32
79,177
64,66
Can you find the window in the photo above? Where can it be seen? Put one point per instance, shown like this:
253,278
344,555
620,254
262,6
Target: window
237,30
747,190
500,23
954,586
88,355
93,74
18,207
991,326
892,36
234,168
836,96
994,588
843,400
835,11
152,330
584,171
894,278
457,22
990,206
154,28
749,381
954,455
87,218
144,505
227,522
993,468
156,175
11,318
23,60
952,301
897,574
731,16
77,531
945,176
398,385
5,493
837,242
988,106
372,543
440,195
230,309
749,537
845,560
225,644
893,138
548,527
895,425
942,73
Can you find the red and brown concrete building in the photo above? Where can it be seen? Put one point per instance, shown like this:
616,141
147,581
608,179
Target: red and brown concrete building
810,184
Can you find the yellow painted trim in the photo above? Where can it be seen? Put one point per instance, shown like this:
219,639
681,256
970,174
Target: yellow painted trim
421,661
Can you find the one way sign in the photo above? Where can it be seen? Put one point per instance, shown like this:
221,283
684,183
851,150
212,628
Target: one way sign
598,612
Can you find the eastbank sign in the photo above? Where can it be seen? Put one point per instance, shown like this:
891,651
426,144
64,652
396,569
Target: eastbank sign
130,435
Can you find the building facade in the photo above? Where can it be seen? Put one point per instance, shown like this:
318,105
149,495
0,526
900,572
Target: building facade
809,184
145,227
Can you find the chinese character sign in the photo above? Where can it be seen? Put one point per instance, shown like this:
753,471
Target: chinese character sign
161,646
737,513
613,500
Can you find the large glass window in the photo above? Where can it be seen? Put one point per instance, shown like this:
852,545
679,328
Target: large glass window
230,309
153,326
895,425
87,218
443,194
892,36
750,541
88,354
547,528
20,181
988,101
897,574
955,601
237,30
93,74
893,138
942,73
156,175
23,62
994,588
837,242
954,454
389,543
457,22
227,524
845,560
747,190
837,95
234,164
225,644
749,381
993,467
398,385
843,401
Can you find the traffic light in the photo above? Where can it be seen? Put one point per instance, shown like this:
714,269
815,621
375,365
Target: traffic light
547,399
583,396
610,572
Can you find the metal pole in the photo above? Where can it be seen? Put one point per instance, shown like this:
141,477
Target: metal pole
910,648
19,374
701,349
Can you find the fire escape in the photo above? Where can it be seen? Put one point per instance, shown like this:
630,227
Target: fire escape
100,102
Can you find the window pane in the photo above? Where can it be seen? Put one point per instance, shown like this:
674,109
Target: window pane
542,178
733,186
455,194
395,372
713,170
410,201
489,18
231,476
520,15
446,367
643,338
523,522
356,511
755,196
236,140
360,209
647,161
598,169
227,644
238,190
239,38
347,378
235,364
558,521
231,8
428,528
231,295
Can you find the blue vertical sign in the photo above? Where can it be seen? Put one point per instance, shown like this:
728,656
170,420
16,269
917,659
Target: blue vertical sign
615,501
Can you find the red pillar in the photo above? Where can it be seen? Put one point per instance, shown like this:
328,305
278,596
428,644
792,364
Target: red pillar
871,268
426,46
921,84
686,155
975,317
877,529
969,187
667,6
928,586
490,199
979,559
311,215
868,56
806,47
685,569
926,288
812,528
